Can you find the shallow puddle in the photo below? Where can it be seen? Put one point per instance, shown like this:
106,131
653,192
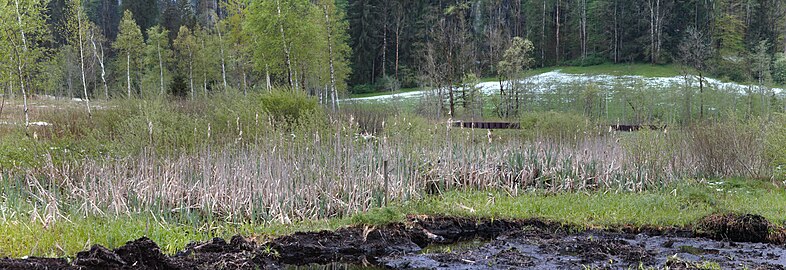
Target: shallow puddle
594,250
332,266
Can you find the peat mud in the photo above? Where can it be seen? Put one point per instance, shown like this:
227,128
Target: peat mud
460,243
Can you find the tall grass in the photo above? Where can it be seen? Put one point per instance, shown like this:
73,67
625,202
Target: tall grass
252,168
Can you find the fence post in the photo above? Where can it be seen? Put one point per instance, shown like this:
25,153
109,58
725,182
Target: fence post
385,178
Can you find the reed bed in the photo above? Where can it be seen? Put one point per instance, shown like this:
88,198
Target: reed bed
276,175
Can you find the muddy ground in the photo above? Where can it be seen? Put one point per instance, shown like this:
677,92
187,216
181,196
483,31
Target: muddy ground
459,243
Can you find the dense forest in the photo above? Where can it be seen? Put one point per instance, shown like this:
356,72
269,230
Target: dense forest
391,38
105,48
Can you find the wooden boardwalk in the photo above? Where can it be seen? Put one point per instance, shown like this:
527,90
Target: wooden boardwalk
487,125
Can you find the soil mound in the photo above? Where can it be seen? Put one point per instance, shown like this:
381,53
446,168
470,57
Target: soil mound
34,264
738,228
438,243
142,253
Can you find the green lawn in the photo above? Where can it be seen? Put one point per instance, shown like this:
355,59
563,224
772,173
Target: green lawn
676,205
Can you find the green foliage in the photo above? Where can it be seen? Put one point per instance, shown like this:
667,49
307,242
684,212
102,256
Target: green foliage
185,46
129,43
761,63
290,34
779,69
288,106
776,145
732,68
378,217
158,57
590,60
23,33
555,125
517,58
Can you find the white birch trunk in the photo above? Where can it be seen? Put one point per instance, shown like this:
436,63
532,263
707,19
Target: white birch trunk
21,64
128,72
330,60
284,44
223,62
160,67
191,71
82,58
100,58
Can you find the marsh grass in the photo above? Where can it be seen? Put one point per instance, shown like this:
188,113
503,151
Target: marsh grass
327,168
206,165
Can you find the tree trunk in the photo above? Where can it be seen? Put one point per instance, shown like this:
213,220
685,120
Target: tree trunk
652,31
542,38
398,41
20,62
285,47
204,71
556,49
267,77
24,93
161,66
584,29
384,47
82,59
658,30
616,33
128,72
100,58
333,90
223,62
191,72
701,96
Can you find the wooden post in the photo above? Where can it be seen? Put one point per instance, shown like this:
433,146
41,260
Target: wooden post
386,179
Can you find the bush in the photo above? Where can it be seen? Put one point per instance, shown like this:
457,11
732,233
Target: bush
288,106
590,60
362,89
556,125
731,69
731,147
408,77
779,69
388,83
369,117
776,145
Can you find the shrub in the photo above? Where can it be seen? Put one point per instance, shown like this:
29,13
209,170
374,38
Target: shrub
556,125
369,117
362,89
779,69
388,83
731,147
288,106
732,69
590,60
776,145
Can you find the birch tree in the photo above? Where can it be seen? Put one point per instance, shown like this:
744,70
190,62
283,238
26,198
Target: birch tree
78,30
236,12
185,46
97,40
516,60
157,56
284,30
695,52
337,48
129,44
24,32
